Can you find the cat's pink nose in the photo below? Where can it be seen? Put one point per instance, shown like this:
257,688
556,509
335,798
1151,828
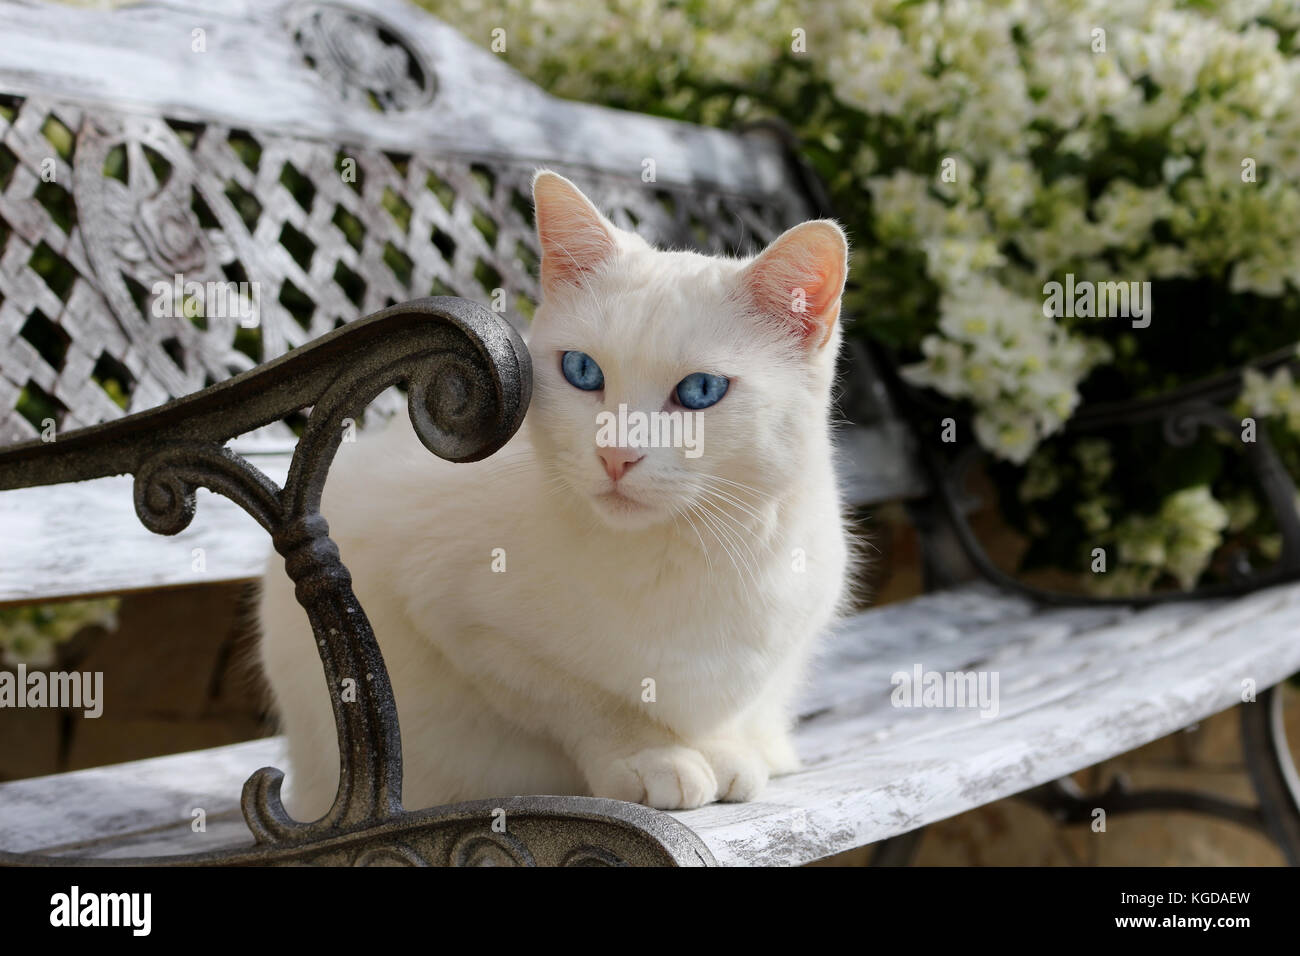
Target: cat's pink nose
618,460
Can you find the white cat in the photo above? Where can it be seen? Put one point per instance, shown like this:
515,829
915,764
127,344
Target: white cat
656,611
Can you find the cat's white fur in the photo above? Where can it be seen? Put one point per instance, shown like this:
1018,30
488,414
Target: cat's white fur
713,584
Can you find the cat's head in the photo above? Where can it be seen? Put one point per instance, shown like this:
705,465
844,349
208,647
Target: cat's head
742,350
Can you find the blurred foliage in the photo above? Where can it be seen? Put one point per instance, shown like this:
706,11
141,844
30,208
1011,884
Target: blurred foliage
32,634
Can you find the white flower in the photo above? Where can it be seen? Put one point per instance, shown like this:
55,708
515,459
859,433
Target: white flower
942,368
1270,396
1197,521
1007,431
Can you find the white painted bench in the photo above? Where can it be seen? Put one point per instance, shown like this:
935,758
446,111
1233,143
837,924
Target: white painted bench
237,151
1077,686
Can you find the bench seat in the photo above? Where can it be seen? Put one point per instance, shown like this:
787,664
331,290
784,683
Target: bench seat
1077,686
83,539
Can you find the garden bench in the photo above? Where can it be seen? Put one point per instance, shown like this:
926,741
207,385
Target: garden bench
214,141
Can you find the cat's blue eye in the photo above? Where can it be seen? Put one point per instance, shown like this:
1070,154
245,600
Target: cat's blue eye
700,390
582,371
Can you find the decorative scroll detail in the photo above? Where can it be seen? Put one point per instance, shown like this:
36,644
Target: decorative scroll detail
141,231
540,831
399,854
588,855
165,484
447,352
362,58
370,747
468,355
478,848
1184,422
453,408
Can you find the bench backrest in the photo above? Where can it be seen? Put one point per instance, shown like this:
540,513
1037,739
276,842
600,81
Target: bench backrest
335,157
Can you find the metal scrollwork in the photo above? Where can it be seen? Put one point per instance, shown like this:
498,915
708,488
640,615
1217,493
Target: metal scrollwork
399,854
166,481
1184,422
490,849
362,58
592,856
140,230
490,364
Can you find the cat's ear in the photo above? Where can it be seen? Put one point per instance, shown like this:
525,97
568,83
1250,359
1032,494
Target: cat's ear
799,278
574,236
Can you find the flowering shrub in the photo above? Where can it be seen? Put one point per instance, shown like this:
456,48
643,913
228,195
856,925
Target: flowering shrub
980,149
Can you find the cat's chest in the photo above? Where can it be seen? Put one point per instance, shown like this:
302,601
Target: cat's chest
631,614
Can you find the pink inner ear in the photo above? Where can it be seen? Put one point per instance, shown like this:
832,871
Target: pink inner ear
569,253
800,278
573,235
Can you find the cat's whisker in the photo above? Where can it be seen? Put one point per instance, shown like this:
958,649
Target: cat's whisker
703,547
741,527
750,489
709,526
749,521
726,501
737,560
734,535
728,496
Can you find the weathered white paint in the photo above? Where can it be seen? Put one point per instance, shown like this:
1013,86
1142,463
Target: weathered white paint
89,811
84,539
1076,687
252,74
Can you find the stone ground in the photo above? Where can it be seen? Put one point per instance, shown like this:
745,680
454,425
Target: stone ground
182,679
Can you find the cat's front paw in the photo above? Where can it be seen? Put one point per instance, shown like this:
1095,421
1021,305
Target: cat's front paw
666,778
741,770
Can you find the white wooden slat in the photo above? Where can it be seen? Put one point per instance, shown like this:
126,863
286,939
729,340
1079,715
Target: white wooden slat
1069,698
1077,686
252,75
152,802
84,538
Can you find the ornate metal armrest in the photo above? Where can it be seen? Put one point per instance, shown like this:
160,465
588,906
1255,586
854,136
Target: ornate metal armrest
468,378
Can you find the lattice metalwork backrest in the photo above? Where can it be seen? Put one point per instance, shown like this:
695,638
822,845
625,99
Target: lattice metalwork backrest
161,240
